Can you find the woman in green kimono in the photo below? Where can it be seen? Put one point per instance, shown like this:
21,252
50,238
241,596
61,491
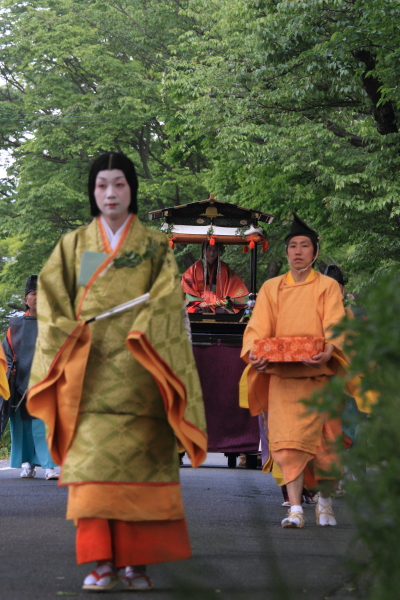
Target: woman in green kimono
120,395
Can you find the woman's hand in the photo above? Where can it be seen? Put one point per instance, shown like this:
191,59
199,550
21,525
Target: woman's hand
319,360
260,364
203,305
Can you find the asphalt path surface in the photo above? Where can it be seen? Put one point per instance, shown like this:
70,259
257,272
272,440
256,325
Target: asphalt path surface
239,549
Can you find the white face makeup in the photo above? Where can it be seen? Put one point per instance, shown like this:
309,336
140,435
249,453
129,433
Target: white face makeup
300,252
113,196
211,254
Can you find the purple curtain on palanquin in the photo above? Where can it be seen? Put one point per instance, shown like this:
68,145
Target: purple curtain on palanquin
229,427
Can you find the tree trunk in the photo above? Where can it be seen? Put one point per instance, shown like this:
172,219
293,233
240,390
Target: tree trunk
321,266
188,258
273,268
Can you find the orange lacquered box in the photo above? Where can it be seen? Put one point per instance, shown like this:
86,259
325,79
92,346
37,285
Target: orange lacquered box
289,349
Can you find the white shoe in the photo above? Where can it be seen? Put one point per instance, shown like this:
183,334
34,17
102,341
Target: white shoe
340,490
324,515
136,578
294,520
27,470
311,500
286,503
102,579
52,474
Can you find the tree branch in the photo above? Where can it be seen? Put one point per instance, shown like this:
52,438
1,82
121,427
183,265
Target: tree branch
384,114
355,140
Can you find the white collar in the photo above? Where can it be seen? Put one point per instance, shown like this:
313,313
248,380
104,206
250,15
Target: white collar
113,238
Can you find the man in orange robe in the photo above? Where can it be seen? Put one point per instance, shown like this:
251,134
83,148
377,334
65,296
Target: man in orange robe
209,282
299,303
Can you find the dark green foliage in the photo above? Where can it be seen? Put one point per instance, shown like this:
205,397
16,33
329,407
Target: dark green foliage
296,105
5,443
273,105
373,344
80,78
128,259
132,259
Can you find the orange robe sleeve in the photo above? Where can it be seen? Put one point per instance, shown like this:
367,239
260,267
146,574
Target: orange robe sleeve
4,387
61,353
262,322
333,312
261,325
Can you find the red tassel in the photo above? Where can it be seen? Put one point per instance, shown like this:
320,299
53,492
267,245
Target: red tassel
252,245
212,241
265,245
171,243
245,249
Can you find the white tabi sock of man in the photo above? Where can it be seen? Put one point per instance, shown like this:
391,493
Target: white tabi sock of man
324,513
294,518
104,577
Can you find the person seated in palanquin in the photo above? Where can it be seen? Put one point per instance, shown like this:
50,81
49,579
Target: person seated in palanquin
211,285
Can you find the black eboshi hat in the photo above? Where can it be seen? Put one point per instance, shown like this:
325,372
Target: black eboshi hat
299,227
31,284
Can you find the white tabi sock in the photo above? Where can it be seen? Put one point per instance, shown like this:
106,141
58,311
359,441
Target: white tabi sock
294,517
136,578
324,513
325,501
102,575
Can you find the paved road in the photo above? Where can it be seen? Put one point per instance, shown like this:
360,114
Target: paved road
239,549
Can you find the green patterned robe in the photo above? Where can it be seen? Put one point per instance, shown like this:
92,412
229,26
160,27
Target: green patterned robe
115,403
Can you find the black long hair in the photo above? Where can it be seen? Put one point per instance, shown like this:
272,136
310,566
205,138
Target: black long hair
334,272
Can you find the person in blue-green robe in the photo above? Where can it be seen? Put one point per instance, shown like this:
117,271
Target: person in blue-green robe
28,436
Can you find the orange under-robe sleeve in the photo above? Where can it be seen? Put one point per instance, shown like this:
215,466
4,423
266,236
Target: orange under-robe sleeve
4,387
261,325
262,322
333,312
61,353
